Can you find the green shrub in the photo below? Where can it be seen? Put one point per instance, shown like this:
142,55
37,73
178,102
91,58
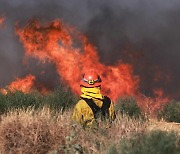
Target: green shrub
155,142
127,106
19,100
60,99
171,112
112,150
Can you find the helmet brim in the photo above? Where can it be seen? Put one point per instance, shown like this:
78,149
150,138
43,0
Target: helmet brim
85,84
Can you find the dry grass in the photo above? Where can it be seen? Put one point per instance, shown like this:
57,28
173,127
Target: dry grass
32,132
162,125
40,132
97,140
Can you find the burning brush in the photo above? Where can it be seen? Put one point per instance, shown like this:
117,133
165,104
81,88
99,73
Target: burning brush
26,85
55,42
72,54
2,20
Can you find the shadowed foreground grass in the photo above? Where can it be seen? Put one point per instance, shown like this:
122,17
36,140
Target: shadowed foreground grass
43,131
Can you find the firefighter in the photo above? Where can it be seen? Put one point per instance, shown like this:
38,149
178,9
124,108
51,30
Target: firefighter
92,104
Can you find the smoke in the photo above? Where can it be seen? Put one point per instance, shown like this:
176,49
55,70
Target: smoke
140,32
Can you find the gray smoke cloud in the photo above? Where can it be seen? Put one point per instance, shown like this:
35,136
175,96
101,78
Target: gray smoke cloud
140,32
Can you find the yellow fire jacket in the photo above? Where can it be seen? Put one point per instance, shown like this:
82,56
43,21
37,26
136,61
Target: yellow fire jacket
84,115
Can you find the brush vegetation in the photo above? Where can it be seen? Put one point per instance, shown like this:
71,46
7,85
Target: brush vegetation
170,112
151,142
43,131
60,99
32,123
128,106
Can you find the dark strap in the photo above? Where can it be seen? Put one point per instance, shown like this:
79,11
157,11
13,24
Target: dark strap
97,111
105,107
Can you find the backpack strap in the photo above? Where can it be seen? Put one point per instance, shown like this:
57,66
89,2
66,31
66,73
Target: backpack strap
104,110
105,107
95,109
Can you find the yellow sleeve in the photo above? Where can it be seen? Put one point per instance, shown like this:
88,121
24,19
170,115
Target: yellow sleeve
112,111
76,116
83,114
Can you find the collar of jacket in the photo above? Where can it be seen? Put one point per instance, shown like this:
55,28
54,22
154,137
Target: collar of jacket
91,93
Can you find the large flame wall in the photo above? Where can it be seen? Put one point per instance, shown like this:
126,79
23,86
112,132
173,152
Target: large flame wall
55,42
139,37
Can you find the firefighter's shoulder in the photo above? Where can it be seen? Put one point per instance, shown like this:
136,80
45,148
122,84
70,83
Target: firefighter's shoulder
81,104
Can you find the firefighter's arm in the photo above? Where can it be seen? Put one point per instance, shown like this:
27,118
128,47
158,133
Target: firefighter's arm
82,114
112,111
77,115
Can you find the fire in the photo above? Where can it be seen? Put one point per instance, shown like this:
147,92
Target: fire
159,98
24,85
151,105
2,20
73,55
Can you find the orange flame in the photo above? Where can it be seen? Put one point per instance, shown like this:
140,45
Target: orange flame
2,20
160,99
72,54
152,105
24,85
